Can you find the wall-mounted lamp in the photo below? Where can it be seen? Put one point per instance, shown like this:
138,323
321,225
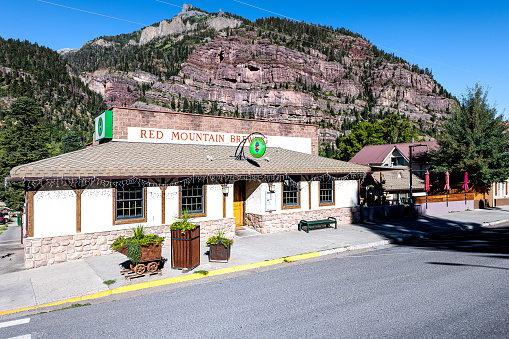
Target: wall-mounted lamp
226,189
272,187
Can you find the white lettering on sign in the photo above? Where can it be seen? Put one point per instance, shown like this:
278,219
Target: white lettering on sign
155,135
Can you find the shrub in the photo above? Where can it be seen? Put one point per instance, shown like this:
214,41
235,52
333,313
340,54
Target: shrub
135,242
182,223
219,238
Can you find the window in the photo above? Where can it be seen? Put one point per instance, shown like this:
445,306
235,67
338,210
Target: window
500,189
130,204
192,199
291,194
326,192
397,161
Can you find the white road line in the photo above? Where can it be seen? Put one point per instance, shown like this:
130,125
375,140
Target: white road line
26,336
15,322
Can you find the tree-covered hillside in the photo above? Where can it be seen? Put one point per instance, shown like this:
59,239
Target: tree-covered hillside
33,71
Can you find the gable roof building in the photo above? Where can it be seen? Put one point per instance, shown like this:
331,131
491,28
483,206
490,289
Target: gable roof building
148,167
396,155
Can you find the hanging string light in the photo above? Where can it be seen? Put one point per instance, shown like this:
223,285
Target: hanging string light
35,184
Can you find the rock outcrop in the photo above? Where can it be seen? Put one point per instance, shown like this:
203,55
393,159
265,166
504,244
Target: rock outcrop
118,89
181,24
242,72
259,79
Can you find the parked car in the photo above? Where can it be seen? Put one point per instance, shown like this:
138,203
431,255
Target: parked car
2,220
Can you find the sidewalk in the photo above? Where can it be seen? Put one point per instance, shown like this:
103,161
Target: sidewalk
83,277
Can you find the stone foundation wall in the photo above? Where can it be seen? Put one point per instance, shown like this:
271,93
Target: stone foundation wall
284,222
47,251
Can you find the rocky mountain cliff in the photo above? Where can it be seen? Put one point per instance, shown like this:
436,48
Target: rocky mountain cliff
275,69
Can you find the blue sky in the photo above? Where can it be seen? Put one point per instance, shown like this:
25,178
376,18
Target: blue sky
463,42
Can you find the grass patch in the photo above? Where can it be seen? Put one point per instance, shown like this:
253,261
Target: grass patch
72,306
109,282
3,228
202,272
68,307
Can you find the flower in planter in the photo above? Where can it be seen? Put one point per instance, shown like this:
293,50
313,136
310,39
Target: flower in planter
183,223
133,244
219,239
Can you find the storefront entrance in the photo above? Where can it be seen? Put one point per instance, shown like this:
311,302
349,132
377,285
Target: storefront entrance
239,192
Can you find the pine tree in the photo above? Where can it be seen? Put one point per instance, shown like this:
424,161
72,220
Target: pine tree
24,140
474,140
70,142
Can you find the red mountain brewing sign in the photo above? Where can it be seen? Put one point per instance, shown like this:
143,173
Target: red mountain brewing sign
257,147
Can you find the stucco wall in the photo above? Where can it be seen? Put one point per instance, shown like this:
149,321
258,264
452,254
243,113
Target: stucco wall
345,195
54,213
97,210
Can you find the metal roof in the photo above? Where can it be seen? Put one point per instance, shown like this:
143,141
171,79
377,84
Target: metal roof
399,180
375,154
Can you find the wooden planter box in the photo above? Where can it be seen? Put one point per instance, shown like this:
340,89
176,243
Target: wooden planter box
220,253
150,260
185,249
148,253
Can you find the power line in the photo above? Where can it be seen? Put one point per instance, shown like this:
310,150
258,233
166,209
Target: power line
284,16
256,27
168,3
81,10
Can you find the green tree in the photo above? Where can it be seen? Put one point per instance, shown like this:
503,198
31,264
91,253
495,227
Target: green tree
70,142
393,129
23,140
474,140
364,133
397,129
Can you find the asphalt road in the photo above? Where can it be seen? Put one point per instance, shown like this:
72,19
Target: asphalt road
450,288
11,250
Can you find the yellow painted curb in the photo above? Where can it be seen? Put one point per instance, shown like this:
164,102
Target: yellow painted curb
169,281
96,295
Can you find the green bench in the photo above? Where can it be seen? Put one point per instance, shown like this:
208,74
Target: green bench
323,222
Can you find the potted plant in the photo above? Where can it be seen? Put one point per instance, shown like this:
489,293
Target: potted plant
185,243
144,250
220,247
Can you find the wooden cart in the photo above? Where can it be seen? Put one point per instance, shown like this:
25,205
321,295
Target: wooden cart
150,260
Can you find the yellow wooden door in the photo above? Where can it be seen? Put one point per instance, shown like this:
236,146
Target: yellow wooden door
238,203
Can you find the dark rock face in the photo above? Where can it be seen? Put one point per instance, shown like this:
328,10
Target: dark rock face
253,77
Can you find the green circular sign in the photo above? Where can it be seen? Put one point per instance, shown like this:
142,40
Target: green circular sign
257,147
100,126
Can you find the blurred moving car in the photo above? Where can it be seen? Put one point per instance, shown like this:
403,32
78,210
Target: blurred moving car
2,220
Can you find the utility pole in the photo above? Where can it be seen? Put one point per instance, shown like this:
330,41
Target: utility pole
411,196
